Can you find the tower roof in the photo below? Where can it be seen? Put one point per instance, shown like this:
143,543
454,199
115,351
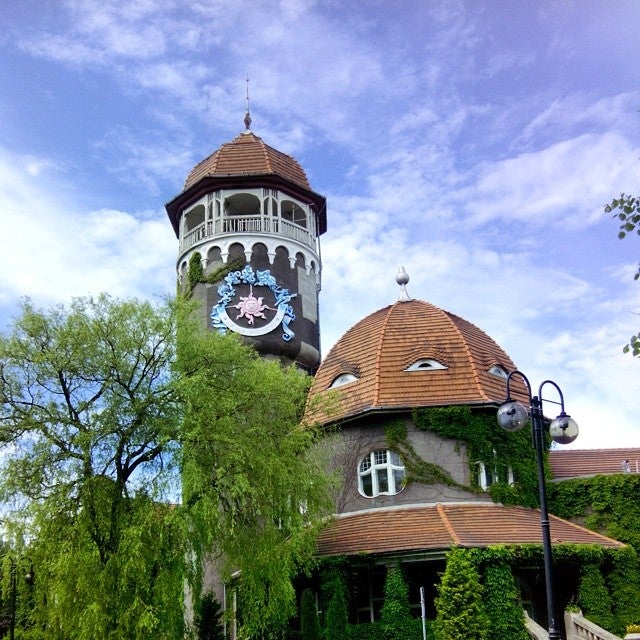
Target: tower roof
247,154
247,161
410,354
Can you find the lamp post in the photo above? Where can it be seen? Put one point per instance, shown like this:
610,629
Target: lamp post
29,578
512,416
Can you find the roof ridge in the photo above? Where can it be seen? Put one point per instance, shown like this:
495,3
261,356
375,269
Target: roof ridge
447,523
378,376
581,528
467,350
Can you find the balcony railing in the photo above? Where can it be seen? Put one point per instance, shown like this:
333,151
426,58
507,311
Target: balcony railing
247,224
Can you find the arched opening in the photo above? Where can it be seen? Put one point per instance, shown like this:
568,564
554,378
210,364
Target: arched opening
293,212
193,218
242,204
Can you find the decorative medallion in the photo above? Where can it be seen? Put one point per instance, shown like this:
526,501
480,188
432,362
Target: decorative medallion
252,316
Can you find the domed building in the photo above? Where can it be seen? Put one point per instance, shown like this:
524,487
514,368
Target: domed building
411,394
408,398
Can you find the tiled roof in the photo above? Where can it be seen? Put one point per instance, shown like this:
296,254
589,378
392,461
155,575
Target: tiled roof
246,155
441,526
379,348
574,463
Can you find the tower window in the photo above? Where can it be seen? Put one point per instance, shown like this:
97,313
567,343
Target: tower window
381,472
293,213
499,371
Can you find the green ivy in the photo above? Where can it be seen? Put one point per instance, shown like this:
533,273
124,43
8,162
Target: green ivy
195,272
608,504
593,596
417,469
488,443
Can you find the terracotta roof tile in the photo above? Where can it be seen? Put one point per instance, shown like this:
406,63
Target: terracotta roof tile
439,527
574,463
381,346
247,154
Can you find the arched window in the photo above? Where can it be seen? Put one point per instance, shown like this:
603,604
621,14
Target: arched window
381,472
343,378
499,371
425,364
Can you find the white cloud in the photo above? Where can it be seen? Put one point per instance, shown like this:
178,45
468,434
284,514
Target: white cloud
53,251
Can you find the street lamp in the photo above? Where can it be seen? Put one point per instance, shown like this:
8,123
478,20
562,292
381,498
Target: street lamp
29,578
512,416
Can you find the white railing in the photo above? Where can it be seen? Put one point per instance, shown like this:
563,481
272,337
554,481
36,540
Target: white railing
535,631
247,224
579,628
576,625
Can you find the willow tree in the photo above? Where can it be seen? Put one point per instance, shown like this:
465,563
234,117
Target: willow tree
254,482
89,423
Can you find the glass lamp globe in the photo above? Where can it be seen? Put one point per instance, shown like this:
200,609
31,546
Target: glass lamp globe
564,429
512,415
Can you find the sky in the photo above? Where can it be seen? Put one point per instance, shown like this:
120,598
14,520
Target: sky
474,143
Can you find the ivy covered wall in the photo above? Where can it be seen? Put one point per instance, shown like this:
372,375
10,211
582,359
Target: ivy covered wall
487,442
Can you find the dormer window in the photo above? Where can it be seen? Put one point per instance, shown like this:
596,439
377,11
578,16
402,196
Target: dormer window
499,371
425,364
342,379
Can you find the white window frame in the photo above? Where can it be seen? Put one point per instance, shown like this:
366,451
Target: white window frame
379,461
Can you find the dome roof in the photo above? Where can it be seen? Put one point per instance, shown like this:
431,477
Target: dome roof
247,155
410,354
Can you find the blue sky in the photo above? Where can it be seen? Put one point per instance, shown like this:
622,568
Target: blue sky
474,143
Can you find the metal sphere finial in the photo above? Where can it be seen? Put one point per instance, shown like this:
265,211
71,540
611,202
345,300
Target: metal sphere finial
402,278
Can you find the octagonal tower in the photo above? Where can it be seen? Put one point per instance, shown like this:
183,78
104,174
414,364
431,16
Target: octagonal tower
248,215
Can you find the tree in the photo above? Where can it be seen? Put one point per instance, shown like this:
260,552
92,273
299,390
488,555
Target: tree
253,484
502,603
396,613
309,622
460,613
337,614
89,422
627,210
209,618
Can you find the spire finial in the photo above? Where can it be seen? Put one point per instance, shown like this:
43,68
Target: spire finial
247,115
402,278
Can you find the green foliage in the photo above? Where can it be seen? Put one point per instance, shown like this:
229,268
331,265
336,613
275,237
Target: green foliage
309,621
89,417
208,618
195,272
337,614
626,209
487,442
607,504
624,585
396,613
460,613
502,603
412,630
417,469
593,596
248,468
